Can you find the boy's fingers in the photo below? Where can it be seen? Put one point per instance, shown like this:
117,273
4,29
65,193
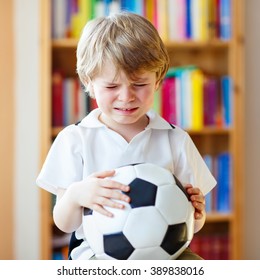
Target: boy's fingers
114,194
114,185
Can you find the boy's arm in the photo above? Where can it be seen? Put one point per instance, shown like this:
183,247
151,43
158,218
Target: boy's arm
67,214
95,192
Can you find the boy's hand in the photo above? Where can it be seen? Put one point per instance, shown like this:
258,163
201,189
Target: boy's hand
198,201
98,191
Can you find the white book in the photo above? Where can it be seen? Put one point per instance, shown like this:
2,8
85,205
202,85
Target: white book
59,11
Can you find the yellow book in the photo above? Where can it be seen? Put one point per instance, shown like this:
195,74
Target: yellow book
75,26
162,19
85,12
149,10
204,20
197,99
79,20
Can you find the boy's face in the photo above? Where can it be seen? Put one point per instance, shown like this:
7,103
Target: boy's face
123,101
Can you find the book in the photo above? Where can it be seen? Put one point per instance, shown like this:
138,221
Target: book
176,20
225,19
68,101
157,104
209,207
212,19
211,246
57,98
59,12
168,102
227,100
223,187
197,99
162,20
210,96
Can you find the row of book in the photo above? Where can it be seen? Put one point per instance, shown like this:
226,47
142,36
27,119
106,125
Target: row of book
70,103
176,20
219,199
213,246
192,100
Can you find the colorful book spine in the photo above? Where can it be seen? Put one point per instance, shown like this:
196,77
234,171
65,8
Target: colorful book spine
214,246
168,103
69,102
227,100
176,20
197,78
200,100
210,103
224,169
209,196
225,10
57,99
162,20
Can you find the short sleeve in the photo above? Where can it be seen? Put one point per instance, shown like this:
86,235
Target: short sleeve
191,167
63,164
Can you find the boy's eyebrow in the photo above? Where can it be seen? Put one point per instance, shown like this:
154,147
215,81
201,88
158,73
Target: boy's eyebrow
136,79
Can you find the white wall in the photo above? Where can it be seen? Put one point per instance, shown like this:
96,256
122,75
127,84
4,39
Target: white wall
252,131
26,200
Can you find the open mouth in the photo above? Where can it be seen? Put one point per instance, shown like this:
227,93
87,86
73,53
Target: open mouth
127,110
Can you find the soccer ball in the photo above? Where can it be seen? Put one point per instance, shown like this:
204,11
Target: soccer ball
157,224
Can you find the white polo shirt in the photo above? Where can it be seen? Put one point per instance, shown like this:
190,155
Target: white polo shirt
91,146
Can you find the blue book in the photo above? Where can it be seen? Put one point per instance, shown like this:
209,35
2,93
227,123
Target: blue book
127,5
188,18
224,182
209,196
227,100
225,19
107,6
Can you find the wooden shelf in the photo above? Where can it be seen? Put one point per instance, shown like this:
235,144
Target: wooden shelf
214,217
215,44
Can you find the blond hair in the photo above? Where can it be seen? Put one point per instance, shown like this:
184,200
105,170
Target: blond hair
127,40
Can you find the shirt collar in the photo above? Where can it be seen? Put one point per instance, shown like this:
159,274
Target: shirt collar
156,121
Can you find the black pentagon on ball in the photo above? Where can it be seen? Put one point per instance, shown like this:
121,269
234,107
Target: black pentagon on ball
87,211
142,193
117,246
175,238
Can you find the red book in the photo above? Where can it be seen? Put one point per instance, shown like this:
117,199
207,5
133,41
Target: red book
195,245
169,100
210,101
57,99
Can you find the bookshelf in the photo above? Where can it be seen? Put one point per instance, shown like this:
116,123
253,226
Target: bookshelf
219,57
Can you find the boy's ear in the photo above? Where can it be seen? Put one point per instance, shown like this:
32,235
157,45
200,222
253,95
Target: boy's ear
157,85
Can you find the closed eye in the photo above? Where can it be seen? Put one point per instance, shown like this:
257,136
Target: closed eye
111,87
140,85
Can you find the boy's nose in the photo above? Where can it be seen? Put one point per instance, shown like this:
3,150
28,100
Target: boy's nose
126,94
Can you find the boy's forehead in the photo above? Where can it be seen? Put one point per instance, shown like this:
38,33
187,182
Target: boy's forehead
111,73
